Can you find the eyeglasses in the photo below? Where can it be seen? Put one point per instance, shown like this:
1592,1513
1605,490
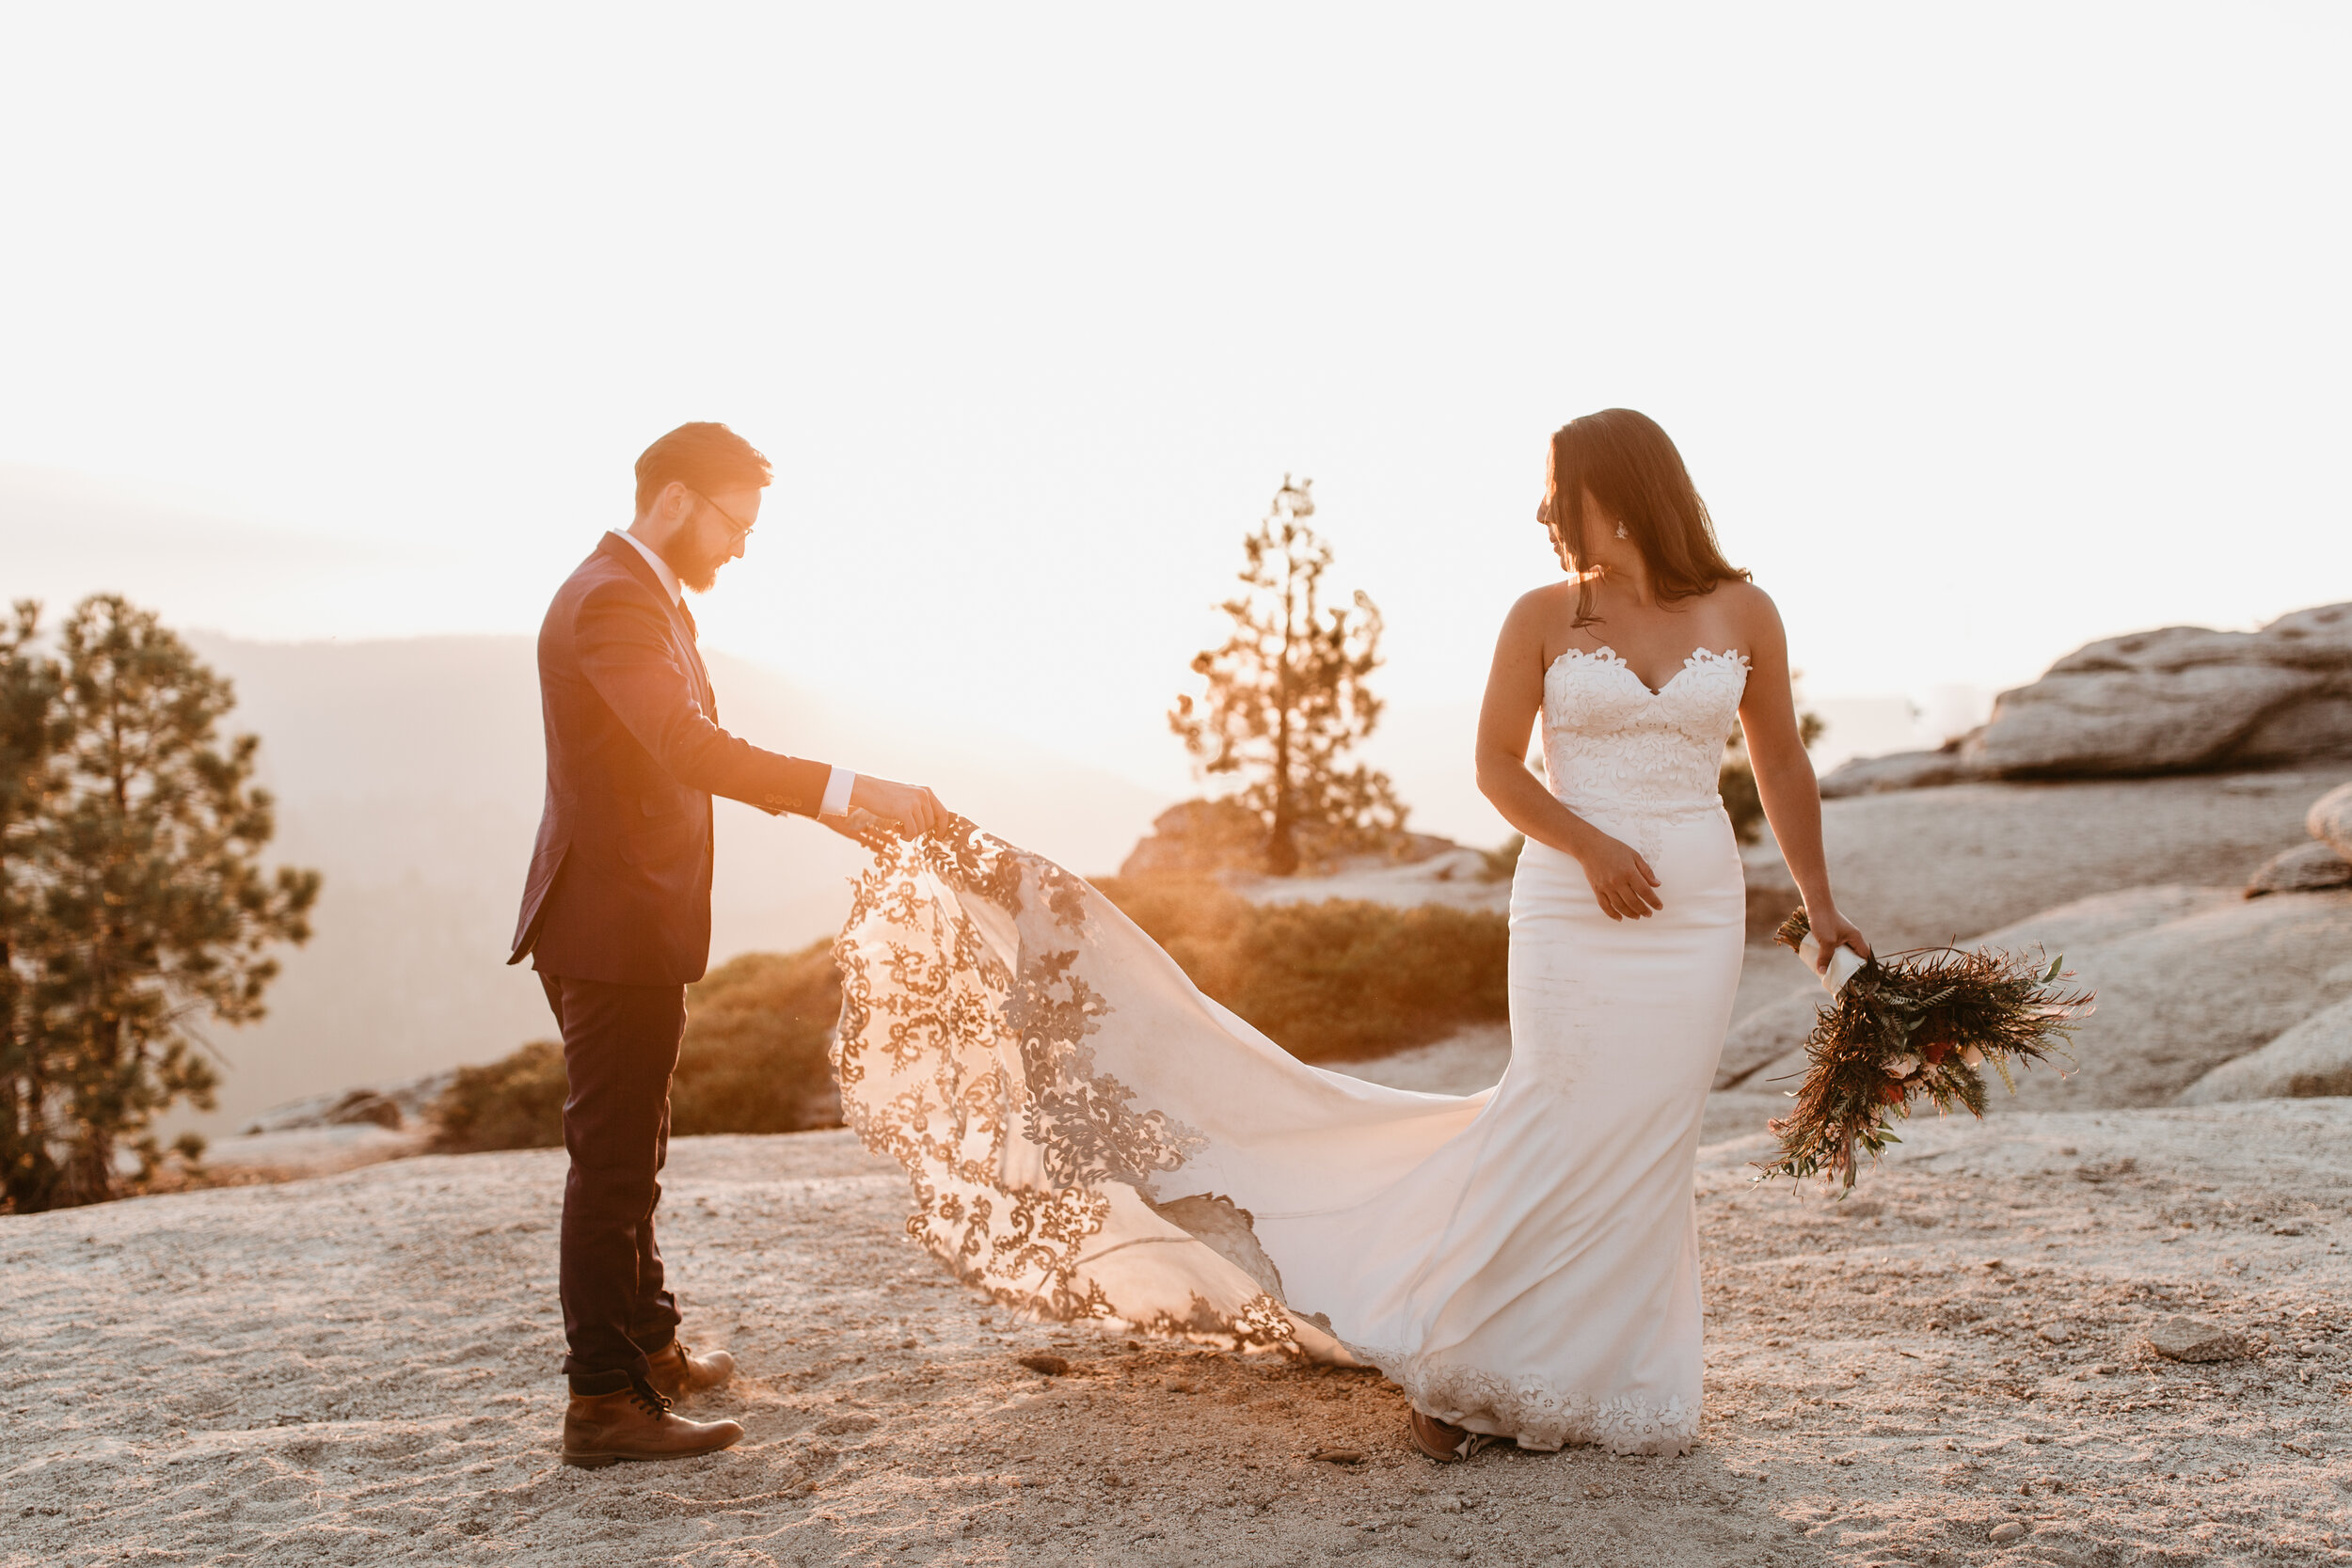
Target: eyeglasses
743,530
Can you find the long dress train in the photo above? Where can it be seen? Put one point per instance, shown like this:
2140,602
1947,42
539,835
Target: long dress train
1089,1136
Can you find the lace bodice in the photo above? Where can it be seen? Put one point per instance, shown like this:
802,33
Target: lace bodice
1613,746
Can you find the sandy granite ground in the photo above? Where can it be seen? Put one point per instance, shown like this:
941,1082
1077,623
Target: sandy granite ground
360,1369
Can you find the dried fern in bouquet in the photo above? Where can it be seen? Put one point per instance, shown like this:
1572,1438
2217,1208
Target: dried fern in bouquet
1915,1024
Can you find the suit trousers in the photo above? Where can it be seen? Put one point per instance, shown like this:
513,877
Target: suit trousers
620,1046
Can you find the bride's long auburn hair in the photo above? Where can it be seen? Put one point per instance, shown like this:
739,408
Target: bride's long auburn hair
1629,464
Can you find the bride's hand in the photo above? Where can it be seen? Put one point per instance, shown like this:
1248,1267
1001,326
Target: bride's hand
1831,931
1621,878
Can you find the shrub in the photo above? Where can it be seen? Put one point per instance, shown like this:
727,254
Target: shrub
1334,981
515,1102
1736,779
1503,863
753,1061
1736,782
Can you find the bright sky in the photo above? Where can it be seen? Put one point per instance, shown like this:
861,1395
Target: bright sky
1985,330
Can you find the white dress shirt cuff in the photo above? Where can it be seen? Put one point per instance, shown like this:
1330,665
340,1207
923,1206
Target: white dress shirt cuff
837,801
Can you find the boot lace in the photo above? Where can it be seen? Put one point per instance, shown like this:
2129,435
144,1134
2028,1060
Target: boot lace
642,1392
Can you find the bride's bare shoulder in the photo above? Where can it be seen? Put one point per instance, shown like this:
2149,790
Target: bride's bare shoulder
1542,604
1751,614
1536,615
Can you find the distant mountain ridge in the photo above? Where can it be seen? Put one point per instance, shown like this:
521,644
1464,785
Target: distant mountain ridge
410,772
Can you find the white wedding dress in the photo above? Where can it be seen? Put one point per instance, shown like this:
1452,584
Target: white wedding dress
1089,1136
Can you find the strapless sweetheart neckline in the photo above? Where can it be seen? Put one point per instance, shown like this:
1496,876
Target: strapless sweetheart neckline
1610,656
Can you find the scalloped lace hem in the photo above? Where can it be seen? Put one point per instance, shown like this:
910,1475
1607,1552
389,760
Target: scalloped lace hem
1535,1414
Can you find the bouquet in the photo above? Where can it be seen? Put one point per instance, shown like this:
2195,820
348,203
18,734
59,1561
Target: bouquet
1913,1024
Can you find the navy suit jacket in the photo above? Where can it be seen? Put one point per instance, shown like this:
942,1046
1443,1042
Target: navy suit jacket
619,888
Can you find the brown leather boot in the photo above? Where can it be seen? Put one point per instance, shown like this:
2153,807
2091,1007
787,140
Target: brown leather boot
677,1371
636,1423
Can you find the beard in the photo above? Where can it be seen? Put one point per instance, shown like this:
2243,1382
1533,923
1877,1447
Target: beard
699,572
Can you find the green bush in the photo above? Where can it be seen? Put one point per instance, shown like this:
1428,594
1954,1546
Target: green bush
1736,782
515,1102
753,1061
1503,863
1332,981
1736,779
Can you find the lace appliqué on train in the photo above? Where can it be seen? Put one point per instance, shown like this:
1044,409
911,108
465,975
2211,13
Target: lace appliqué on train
962,1054
1534,1413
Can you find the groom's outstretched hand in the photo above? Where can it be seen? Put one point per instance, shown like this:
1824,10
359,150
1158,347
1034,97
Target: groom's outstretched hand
909,810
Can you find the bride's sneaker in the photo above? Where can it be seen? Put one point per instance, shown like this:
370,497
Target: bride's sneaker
636,1424
677,1371
1442,1440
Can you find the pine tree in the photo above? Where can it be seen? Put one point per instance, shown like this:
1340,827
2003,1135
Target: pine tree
134,895
1286,699
30,733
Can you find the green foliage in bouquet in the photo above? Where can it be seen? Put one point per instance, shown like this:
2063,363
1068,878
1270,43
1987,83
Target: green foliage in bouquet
1914,1024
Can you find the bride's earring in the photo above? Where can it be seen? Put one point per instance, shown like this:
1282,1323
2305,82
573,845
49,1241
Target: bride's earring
1622,534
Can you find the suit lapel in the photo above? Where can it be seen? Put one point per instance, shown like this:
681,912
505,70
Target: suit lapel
682,628
702,671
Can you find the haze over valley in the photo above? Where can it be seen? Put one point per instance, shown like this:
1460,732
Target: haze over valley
410,772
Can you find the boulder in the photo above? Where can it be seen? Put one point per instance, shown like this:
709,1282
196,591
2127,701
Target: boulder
2331,820
400,1105
2302,869
1459,878
2313,1058
2180,699
2103,720
1769,1035
1772,892
1764,1048
2188,978
1208,838
1200,838
1899,771
365,1105
1929,866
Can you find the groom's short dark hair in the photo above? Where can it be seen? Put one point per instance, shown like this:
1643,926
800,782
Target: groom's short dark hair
704,457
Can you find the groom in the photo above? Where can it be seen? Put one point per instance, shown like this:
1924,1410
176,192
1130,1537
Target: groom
616,913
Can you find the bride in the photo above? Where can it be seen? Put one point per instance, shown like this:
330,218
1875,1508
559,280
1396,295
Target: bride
1089,1136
